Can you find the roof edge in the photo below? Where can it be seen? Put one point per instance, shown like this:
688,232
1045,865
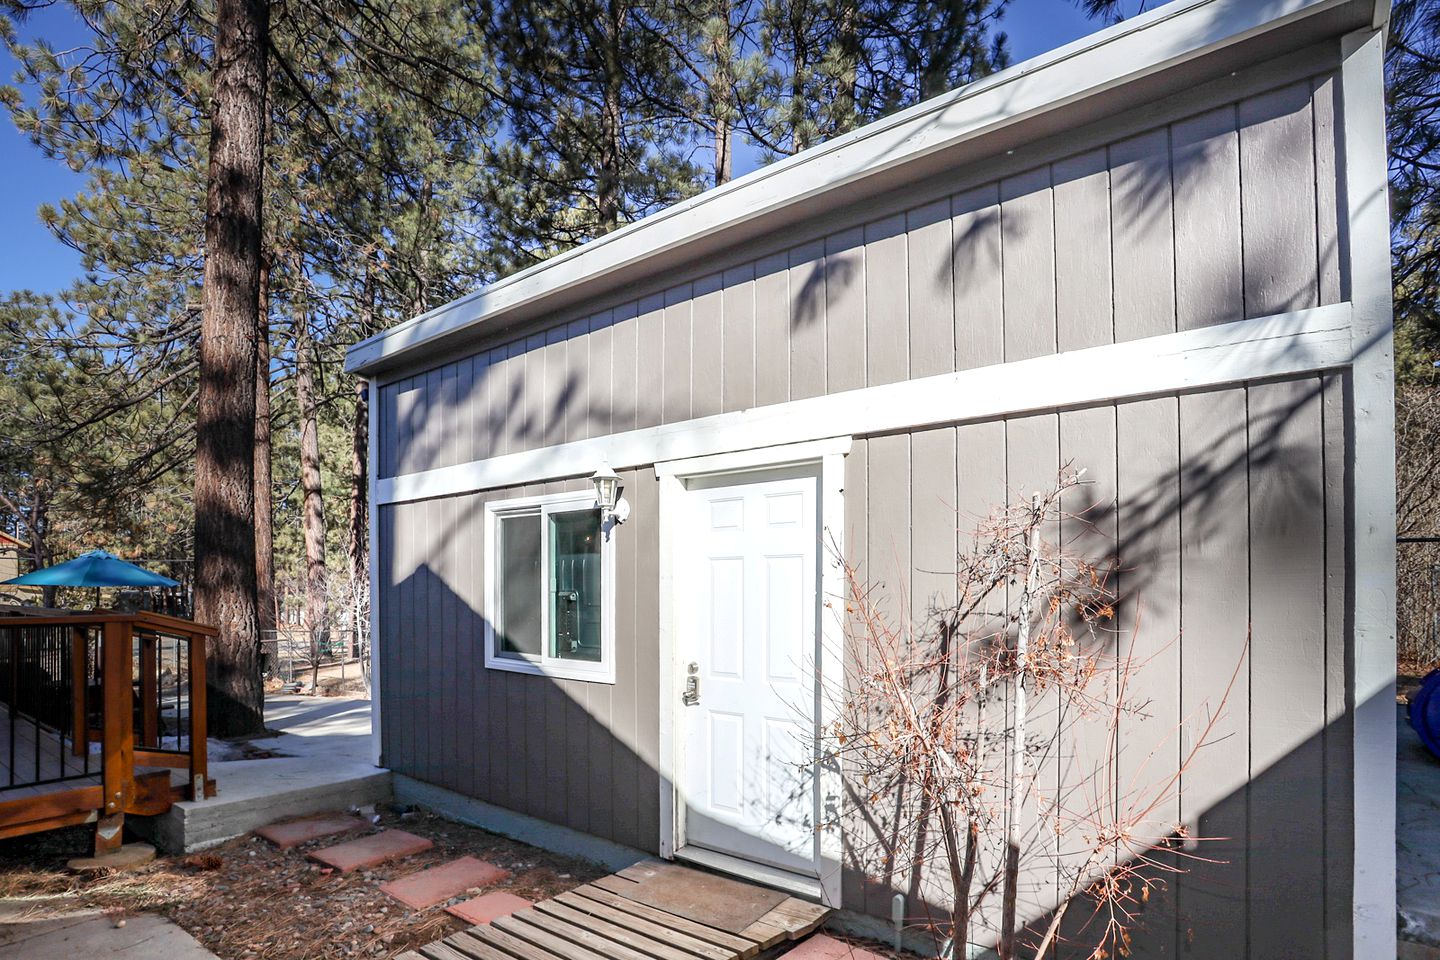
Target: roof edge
1115,56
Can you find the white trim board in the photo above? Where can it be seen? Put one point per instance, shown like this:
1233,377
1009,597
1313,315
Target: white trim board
1129,52
1372,470
1288,344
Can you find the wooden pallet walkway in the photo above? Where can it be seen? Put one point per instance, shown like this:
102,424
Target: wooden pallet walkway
600,921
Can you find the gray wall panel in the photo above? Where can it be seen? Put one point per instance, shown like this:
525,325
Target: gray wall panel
886,302
1027,241
1215,215
807,320
1277,181
846,338
738,336
1143,234
929,259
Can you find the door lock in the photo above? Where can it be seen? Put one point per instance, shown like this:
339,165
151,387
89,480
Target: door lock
691,696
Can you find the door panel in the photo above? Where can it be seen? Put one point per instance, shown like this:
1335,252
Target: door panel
747,611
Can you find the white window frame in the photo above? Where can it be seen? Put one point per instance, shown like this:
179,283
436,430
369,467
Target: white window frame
547,665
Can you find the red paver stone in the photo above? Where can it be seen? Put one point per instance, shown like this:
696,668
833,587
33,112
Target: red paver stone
368,851
296,832
429,887
821,947
487,907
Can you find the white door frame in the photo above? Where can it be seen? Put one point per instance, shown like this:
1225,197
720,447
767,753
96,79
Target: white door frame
829,455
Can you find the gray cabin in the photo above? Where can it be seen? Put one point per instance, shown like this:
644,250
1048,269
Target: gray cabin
1160,253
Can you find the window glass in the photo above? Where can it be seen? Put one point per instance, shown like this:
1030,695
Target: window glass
575,585
519,627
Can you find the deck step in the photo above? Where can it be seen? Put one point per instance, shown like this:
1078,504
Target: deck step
480,910
438,884
371,851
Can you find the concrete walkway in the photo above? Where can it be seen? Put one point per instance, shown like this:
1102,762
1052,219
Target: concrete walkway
324,762
92,936
1417,842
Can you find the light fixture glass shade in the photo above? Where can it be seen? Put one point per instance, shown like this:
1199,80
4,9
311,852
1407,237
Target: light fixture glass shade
607,488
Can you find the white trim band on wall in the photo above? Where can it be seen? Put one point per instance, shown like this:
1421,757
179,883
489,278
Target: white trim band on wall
1288,344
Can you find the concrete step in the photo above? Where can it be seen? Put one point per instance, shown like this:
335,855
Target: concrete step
438,884
371,851
256,796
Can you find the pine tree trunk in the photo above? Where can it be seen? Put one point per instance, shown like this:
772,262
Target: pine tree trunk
313,511
357,545
722,94
357,540
264,496
607,188
225,416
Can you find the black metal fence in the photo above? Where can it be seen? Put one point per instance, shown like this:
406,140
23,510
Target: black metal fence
161,664
50,694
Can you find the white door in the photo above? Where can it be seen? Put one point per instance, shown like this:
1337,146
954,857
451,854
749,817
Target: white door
747,608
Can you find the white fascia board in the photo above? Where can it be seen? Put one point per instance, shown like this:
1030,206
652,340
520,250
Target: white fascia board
1127,52
1282,345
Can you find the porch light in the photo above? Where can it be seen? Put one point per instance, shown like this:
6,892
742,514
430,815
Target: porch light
607,495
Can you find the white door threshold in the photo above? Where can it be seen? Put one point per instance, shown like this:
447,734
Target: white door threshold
792,883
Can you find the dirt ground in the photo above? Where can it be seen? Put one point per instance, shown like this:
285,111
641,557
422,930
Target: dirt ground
246,900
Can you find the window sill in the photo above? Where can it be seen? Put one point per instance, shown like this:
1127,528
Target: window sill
592,673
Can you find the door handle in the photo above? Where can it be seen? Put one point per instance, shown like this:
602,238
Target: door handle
691,696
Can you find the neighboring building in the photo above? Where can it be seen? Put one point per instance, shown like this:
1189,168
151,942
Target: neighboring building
1160,252
10,552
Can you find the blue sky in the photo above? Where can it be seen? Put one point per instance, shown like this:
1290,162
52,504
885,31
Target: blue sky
31,258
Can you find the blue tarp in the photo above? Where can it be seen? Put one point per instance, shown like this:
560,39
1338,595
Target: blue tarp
1424,712
94,569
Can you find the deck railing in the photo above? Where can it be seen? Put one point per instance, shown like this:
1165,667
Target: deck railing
103,694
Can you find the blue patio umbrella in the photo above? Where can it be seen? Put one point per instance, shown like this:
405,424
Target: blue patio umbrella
94,569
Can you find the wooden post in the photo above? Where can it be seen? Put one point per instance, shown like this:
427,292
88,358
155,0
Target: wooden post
199,745
79,691
149,693
118,737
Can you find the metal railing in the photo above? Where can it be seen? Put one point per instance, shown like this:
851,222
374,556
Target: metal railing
47,674
102,694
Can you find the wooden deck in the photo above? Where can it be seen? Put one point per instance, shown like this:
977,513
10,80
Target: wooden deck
602,921
41,754
113,678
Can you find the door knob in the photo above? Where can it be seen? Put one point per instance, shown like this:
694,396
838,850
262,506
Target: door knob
691,696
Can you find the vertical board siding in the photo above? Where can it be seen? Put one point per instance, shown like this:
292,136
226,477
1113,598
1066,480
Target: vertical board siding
807,320
1287,551
1027,239
1082,252
738,339
847,341
1147,481
1215,603
1143,236
708,344
931,314
887,330
583,755
772,330
675,371
1184,490
1216,216
979,287
1277,176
